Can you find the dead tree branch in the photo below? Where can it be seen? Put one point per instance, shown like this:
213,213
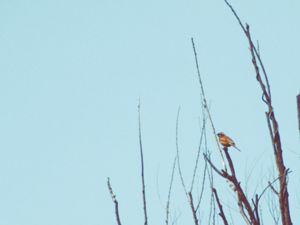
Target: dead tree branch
243,202
191,201
221,214
242,199
274,129
114,199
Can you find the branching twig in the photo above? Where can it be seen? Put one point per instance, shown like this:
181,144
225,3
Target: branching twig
255,50
193,208
273,189
274,130
114,199
142,168
270,185
242,199
212,165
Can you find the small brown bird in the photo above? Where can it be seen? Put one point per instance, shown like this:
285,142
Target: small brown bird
226,141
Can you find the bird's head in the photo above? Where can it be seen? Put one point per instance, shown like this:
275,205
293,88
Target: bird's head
221,134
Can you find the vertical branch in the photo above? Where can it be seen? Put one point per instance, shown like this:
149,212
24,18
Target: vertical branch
177,152
298,109
114,199
189,195
204,102
212,207
169,193
205,168
142,167
193,208
276,140
202,187
274,130
242,199
198,154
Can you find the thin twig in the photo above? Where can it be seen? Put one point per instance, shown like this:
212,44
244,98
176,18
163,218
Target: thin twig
205,104
202,186
298,109
255,50
177,152
198,154
142,168
114,199
205,166
270,185
193,208
169,192
221,214
212,165
212,208
273,189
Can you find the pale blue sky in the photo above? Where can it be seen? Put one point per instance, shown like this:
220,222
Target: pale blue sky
71,74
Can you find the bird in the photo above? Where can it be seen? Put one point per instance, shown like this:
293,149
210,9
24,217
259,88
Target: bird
226,141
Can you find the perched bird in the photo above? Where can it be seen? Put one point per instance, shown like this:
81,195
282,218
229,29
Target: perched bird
226,141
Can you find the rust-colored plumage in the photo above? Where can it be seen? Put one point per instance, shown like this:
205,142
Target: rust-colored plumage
226,141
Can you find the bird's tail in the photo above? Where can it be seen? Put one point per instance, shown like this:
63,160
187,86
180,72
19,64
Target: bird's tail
237,148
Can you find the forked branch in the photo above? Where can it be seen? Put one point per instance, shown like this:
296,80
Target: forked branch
271,120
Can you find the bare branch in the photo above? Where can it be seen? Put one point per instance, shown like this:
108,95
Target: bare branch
204,103
270,185
114,199
169,193
193,208
274,130
273,189
212,206
221,214
212,165
242,199
177,151
283,196
142,168
198,154
255,50
202,187
271,132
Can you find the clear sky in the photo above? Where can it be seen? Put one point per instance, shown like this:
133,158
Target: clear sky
71,74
